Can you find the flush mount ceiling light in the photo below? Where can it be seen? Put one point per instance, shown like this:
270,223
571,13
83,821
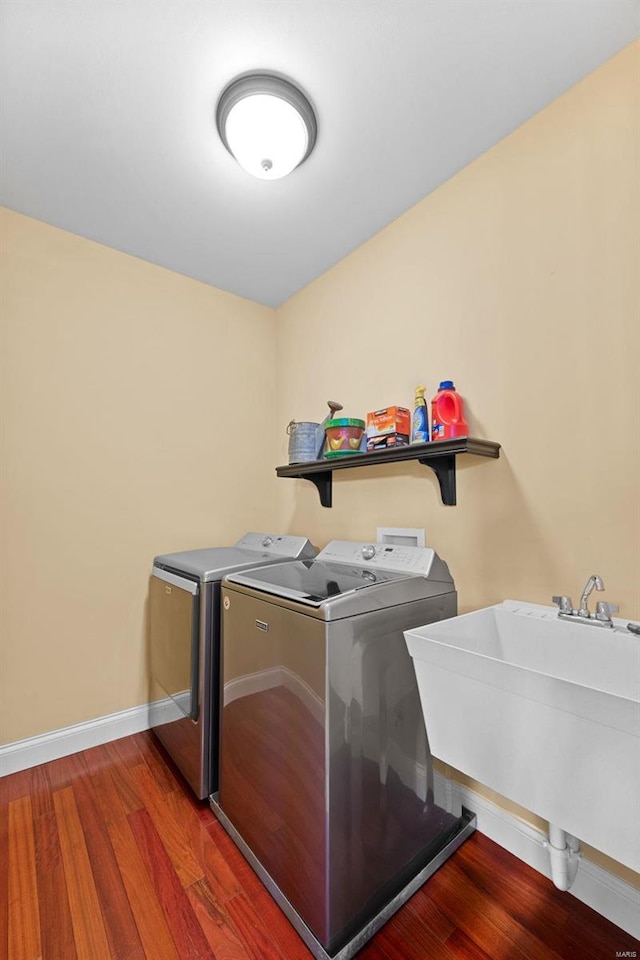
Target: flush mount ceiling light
267,124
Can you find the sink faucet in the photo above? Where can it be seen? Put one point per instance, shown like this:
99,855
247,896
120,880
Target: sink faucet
593,581
604,611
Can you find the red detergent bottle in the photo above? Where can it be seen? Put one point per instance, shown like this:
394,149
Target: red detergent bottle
447,413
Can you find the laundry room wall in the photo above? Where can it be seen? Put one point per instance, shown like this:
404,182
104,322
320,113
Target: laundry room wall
129,428
519,280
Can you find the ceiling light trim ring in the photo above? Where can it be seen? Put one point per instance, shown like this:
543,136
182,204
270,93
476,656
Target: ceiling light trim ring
271,85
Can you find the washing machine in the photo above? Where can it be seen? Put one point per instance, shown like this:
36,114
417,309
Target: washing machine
326,780
184,644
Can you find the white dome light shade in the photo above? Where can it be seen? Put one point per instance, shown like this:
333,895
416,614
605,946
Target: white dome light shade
266,135
267,124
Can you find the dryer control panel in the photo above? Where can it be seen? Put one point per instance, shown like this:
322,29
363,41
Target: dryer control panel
278,544
385,556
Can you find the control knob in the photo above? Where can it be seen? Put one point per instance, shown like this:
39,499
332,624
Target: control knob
267,541
368,551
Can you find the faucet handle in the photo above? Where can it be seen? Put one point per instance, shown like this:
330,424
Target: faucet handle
565,604
604,610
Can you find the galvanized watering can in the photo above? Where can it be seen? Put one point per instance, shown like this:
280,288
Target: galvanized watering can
306,438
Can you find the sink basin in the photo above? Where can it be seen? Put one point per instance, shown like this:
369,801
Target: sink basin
544,711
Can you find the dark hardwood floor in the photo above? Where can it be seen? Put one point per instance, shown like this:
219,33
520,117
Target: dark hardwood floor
105,856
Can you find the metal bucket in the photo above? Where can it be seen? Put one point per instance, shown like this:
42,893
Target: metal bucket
305,441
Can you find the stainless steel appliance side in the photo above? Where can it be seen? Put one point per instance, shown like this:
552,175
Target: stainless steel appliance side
383,824
188,731
325,768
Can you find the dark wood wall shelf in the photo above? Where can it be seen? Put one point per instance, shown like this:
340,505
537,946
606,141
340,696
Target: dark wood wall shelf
440,456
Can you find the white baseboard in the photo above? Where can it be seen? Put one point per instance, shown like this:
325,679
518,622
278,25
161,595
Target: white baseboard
601,890
605,893
67,740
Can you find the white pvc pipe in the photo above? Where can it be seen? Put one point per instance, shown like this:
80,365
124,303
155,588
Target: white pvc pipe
564,856
557,837
573,843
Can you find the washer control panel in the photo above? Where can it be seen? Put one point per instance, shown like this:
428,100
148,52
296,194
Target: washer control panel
385,556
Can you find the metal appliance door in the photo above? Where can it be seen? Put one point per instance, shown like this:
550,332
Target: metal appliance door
174,617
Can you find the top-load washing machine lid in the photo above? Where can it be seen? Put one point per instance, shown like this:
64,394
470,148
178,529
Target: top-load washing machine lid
348,578
252,550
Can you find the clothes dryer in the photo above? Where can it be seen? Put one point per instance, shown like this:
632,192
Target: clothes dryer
184,621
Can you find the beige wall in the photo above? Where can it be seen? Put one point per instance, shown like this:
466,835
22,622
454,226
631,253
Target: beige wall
132,403
519,279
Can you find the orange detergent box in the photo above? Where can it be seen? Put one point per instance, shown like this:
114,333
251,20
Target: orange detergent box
388,427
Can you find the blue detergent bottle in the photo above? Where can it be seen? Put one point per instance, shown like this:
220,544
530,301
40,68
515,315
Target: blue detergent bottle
420,421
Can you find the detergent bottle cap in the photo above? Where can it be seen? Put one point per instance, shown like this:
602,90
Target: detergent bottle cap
446,385
420,391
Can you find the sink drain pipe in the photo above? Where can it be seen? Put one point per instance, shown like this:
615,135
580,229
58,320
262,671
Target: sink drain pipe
564,854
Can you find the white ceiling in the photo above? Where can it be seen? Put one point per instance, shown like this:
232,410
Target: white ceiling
107,110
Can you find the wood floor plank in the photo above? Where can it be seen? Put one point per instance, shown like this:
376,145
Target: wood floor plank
286,939
160,764
97,758
245,876
186,931
120,762
529,896
219,876
124,752
24,913
599,933
122,932
63,772
483,920
221,936
205,813
525,897
105,774
170,830
373,951
150,919
525,894
15,785
465,949
423,910
86,914
40,792
407,936
56,928
260,941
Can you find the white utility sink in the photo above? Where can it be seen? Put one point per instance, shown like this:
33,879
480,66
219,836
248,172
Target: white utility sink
545,711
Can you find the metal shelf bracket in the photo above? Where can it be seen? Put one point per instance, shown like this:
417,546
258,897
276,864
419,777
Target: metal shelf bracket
445,470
